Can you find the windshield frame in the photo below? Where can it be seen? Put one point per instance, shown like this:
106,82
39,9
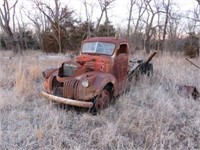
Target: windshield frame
97,45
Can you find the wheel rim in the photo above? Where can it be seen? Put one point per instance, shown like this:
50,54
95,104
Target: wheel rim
102,100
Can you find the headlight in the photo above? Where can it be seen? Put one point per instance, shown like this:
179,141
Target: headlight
85,83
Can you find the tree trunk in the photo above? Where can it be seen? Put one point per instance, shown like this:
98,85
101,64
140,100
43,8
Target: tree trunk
99,21
129,18
5,23
165,25
11,42
106,23
147,45
148,34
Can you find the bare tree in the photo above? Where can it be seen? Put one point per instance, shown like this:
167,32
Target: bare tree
38,24
198,16
159,33
57,16
167,13
39,21
141,10
5,16
88,12
193,23
138,24
104,5
150,29
173,35
196,22
21,30
132,2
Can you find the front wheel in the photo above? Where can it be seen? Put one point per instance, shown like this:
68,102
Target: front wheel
101,101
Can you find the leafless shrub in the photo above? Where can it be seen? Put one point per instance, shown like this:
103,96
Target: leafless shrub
191,51
192,46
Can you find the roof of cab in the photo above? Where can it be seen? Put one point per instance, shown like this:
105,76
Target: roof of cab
115,40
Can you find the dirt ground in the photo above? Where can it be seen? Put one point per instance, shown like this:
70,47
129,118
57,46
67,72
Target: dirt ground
150,116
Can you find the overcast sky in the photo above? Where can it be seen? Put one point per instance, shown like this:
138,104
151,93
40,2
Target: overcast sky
118,15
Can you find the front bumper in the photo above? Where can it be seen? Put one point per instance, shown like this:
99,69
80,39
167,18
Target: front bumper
67,101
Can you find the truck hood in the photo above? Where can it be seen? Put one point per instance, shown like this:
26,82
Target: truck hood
95,62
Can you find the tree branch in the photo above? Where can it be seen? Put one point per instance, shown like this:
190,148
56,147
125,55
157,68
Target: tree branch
14,5
192,63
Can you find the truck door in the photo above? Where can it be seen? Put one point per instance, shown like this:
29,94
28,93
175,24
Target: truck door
120,67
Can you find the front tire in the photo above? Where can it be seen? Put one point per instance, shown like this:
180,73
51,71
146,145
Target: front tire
102,100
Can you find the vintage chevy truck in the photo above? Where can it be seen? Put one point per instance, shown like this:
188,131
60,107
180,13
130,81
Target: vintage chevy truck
94,77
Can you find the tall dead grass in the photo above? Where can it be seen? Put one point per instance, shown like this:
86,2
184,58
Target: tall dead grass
151,116
25,77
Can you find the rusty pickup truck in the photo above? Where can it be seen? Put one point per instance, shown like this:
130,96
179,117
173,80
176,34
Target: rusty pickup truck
94,77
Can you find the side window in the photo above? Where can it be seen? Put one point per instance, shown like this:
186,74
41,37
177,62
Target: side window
122,49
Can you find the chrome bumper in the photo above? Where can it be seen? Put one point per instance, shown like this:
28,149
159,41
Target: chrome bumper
67,101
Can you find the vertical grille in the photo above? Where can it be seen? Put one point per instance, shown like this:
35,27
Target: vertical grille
70,89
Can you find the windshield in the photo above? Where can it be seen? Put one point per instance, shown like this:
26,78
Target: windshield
98,47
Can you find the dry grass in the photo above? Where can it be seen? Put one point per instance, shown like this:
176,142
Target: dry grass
151,116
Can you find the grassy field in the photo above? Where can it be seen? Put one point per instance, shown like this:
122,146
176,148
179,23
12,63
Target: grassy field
151,116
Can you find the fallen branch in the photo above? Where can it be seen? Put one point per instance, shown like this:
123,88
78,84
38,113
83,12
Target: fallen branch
192,63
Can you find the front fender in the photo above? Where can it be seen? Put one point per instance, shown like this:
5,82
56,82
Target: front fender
48,83
97,81
48,72
102,79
